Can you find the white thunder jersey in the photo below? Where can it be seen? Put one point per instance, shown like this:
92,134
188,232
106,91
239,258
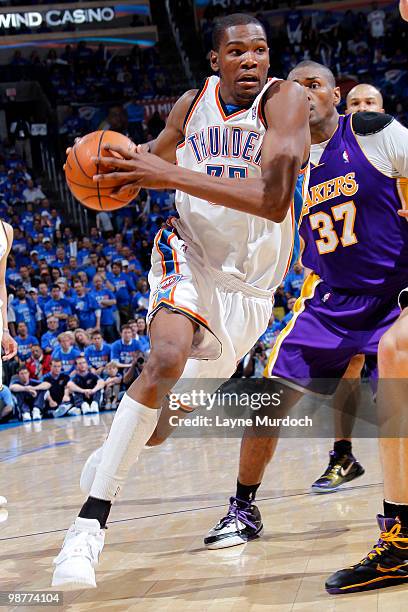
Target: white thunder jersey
256,251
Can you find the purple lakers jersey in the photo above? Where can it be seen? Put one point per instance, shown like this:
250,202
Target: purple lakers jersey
354,239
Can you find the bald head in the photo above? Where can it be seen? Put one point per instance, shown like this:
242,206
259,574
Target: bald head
364,97
313,67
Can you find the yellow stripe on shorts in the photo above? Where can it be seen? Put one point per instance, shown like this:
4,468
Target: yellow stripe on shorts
307,292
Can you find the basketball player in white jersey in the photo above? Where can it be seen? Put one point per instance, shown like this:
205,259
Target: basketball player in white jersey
214,271
8,344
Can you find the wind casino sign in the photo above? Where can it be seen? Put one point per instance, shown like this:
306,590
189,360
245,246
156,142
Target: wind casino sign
56,17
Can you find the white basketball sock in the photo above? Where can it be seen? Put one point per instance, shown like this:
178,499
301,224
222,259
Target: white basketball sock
131,428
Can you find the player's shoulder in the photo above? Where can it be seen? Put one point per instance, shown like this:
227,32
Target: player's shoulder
281,87
282,94
368,123
185,102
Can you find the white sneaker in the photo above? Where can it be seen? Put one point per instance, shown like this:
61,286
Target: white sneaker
89,470
26,416
85,407
80,552
62,410
3,501
37,416
94,407
74,411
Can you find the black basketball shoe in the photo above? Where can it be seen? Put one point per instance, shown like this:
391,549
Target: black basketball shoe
241,524
341,469
385,565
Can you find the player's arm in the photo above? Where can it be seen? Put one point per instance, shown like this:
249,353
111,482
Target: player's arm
8,343
43,386
404,9
285,146
73,387
99,385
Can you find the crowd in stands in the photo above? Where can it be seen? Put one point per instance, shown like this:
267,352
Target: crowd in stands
82,74
78,304
358,46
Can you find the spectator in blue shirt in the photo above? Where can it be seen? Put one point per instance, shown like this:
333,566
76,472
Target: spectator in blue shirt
107,303
13,276
294,280
98,354
43,294
49,340
123,350
85,306
90,267
110,249
7,403
58,306
66,352
60,259
23,310
289,315
24,342
47,251
86,387
84,251
26,390
124,287
141,335
269,336
140,302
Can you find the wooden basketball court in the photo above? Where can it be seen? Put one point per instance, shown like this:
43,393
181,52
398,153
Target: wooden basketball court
154,558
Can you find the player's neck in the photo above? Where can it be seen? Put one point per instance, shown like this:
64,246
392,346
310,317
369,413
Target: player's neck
324,130
227,99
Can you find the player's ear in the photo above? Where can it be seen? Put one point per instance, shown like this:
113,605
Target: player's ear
336,96
214,61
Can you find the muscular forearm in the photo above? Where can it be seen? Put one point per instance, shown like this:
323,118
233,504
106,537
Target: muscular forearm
16,388
73,387
99,385
44,386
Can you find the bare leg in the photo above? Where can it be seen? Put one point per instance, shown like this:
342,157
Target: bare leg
347,399
387,563
392,405
136,417
257,452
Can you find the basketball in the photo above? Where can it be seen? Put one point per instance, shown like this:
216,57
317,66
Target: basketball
80,169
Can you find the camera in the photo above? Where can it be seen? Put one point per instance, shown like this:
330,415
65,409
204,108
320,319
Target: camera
140,361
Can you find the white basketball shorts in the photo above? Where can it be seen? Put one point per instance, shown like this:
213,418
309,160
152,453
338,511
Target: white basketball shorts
231,315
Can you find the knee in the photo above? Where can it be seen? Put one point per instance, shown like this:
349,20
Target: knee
166,361
387,347
393,350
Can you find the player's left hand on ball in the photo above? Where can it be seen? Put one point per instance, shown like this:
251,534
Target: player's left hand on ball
403,213
134,167
9,346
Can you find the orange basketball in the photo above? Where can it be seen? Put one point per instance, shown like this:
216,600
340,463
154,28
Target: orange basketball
79,170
